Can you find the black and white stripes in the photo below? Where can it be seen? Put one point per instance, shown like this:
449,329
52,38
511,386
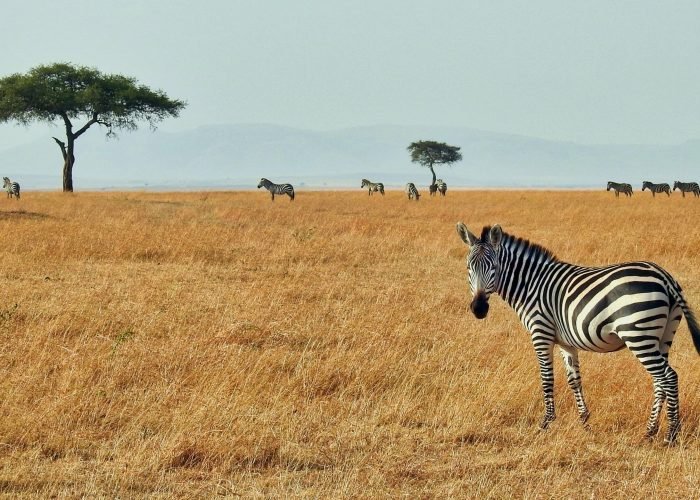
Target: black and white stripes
656,188
600,309
274,189
12,188
687,187
412,192
373,187
620,187
441,187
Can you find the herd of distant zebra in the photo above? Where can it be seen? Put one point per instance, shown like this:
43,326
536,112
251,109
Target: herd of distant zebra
684,187
412,192
439,186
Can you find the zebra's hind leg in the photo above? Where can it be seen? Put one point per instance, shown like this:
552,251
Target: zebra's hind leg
670,380
544,356
573,378
648,351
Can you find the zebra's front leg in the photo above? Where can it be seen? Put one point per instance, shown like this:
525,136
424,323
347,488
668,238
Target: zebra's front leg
544,357
573,378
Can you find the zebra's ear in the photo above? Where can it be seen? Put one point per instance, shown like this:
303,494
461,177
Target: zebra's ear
465,234
495,235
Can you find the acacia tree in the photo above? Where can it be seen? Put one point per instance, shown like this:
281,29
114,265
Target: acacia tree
431,153
65,93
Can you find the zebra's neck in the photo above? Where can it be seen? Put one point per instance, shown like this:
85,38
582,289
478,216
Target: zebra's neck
521,263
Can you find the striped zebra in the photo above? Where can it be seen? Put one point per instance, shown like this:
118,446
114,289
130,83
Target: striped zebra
373,187
12,188
657,188
620,187
687,187
441,186
412,192
433,189
274,189
599,309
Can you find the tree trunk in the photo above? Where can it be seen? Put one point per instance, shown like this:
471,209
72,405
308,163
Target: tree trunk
67,176
68,161
434,176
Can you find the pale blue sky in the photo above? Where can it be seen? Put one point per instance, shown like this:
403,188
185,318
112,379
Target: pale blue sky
589,72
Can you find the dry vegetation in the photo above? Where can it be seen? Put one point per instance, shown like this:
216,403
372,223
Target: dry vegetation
201,344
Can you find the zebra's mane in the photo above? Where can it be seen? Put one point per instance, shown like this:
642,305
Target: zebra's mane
516,242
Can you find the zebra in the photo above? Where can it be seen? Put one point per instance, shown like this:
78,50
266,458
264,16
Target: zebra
274,189
600,309
373,186
441,186
620,187
412,192
433,189
12,188
657,188
687,187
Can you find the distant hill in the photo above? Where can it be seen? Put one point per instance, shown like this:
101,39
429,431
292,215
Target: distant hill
234,156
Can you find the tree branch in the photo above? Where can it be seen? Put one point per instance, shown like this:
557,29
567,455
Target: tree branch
61,145
89,124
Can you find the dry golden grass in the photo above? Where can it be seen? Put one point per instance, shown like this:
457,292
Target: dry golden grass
201,344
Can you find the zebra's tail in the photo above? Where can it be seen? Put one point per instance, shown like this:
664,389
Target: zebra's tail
291,195
693,325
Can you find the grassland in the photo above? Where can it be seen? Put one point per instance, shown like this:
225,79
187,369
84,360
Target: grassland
202,344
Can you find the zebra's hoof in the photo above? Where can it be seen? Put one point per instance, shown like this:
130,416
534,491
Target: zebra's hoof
671,435
544,424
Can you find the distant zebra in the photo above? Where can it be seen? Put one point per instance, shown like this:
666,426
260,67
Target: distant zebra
433,189
657,188
373,186
12,188
274,189
599,309
620,187
687,187
412,192
441,186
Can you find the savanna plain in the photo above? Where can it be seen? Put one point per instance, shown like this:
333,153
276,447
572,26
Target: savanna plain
196,344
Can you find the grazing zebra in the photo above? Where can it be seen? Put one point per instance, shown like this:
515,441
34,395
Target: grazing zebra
433,189
620,187
600,309
12,188
657,188
412,192
687,187
441,186
373,186
274,189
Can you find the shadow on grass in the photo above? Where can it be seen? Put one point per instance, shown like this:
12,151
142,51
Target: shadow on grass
22,214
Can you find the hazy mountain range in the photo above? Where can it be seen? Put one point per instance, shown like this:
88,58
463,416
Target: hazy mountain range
236,156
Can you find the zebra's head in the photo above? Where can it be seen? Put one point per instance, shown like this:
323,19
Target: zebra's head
262,182
646,184
365,182
609,185
6,181
482,264
676,185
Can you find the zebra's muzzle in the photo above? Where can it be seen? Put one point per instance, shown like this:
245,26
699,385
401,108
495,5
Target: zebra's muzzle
480,305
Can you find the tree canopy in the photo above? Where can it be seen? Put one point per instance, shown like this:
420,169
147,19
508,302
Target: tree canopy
431,153
65,93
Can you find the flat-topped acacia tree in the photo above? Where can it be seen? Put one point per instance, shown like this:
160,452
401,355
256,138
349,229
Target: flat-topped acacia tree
431,153
65,93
